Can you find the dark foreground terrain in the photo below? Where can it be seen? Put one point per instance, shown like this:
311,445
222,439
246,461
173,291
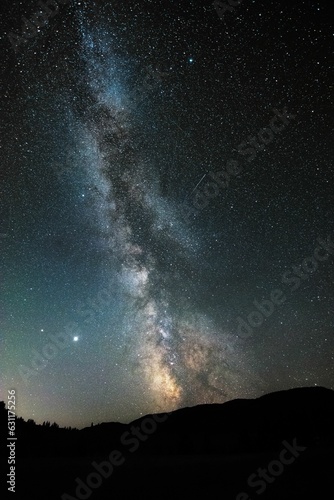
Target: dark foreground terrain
279,446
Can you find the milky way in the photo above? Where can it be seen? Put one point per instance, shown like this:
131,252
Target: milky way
180,356
148,206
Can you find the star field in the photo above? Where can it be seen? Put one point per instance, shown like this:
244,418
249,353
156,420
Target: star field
163,169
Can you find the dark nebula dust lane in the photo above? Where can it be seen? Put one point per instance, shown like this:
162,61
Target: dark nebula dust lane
118,123
179,354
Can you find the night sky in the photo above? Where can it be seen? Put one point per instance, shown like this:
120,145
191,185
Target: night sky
165,172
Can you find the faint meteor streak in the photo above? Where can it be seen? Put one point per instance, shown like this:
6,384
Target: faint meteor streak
198,184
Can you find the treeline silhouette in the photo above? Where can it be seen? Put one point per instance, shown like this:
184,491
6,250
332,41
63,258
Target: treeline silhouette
202,448
47,439
237,426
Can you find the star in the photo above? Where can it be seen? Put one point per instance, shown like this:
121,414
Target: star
153,209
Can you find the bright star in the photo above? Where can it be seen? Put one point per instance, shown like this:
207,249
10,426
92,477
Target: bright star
75,339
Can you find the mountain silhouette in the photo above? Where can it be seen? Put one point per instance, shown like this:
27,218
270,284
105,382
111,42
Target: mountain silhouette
212,450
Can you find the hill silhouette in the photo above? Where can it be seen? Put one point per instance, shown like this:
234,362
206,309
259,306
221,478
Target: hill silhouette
203,450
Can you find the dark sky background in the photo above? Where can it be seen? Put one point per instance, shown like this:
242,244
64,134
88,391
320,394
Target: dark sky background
113,116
